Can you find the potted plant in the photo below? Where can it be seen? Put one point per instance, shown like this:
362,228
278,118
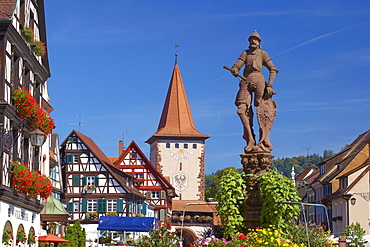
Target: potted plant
7,237
207,218
31,237
92,215
130,241
112,214
21,236
90,188
187,217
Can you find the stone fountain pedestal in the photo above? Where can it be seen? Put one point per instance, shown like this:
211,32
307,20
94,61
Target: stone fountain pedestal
253,163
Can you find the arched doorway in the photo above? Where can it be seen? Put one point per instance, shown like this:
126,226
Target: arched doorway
8,235
188,235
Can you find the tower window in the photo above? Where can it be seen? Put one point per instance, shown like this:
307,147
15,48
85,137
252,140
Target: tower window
185,145
194,146
168,145
177,145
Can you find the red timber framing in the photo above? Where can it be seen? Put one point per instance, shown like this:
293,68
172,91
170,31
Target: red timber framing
93,186
147,180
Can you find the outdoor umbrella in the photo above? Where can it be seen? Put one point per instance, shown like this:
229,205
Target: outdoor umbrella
53,239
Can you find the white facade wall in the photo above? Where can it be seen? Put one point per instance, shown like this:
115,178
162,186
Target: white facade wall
183,166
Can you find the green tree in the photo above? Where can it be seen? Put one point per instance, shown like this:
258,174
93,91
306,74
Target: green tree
356,233
76,234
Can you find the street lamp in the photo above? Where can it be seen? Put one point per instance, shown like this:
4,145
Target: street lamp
353,201
37,138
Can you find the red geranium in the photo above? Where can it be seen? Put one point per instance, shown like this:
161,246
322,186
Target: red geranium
30,182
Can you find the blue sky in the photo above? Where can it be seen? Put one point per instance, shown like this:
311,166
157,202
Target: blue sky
111,62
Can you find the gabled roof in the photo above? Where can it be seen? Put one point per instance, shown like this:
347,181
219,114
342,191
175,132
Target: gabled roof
339,161
309,174
7,9
103,159
146,163
176,119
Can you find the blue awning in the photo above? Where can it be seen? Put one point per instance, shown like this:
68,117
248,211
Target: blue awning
134,224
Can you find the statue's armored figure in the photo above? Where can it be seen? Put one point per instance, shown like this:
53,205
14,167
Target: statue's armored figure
253,82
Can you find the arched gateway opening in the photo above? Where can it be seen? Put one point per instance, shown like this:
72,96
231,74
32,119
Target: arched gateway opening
188,235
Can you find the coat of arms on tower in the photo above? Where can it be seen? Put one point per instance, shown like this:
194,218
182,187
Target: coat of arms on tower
180,181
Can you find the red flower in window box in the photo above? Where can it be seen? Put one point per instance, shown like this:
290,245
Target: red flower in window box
30,182
138,180
26,107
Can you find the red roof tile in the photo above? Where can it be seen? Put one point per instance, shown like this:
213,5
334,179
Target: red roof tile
6,9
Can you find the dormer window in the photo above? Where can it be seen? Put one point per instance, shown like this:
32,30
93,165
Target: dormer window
322,169
343,182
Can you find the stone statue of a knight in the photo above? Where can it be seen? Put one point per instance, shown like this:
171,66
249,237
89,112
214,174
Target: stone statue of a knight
253,83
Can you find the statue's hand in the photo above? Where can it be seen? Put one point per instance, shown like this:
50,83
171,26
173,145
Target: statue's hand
234,71
269,91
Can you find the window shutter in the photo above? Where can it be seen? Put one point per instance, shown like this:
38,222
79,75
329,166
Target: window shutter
76,181
83,181
148,194
70,207
84,205
120,205
143,209
102,205
96,181
163,194
69,158
161,215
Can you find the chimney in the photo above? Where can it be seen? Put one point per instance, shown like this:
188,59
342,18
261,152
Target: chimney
120,148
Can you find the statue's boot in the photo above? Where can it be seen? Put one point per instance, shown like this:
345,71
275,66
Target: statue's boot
248,137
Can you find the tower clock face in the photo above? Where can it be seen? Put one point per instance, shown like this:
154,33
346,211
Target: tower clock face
181,154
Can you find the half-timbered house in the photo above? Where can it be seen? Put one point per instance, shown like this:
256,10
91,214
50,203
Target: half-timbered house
23,65
93,186
147,180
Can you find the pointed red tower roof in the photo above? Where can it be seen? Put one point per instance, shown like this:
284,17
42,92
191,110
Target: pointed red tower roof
176,119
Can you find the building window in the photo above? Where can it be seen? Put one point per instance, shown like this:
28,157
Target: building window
76,207
92,205
133,156
111,205
177,145
186,146
90,181
138,175
75,158
343,183
155,194
168,145
194,146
